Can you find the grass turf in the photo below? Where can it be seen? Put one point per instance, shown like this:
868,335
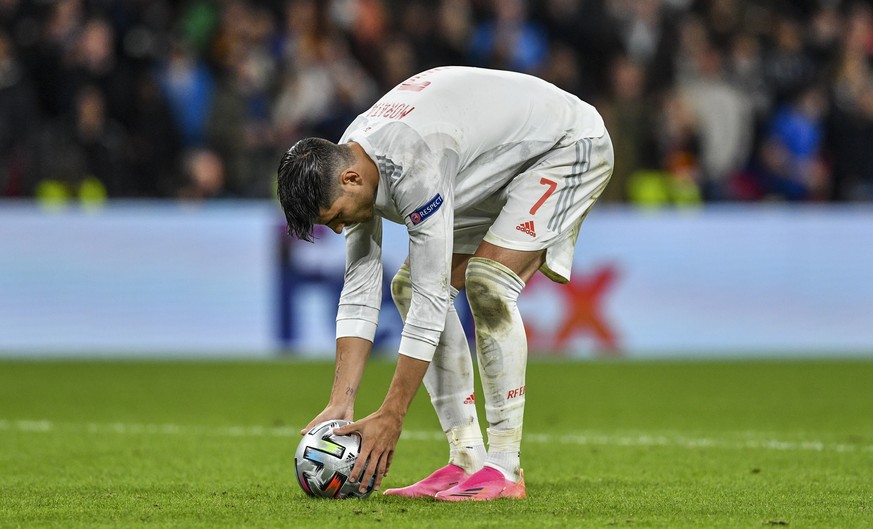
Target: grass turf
647,444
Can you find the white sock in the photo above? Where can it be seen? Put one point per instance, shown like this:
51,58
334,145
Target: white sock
449,381
503,452
501,346
467,450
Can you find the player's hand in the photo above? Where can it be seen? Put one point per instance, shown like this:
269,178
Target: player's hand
380,432
330,413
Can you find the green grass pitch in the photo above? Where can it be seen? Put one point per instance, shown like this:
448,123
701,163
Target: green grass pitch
607,444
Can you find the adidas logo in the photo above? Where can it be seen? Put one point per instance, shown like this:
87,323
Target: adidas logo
527,227
471,399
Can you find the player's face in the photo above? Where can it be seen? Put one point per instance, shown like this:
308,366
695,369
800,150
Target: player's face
351,207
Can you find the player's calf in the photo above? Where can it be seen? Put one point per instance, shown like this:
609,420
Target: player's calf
501,345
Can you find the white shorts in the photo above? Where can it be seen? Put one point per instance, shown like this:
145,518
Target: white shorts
546,205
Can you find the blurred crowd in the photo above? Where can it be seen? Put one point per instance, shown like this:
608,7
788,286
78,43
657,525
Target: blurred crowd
706,100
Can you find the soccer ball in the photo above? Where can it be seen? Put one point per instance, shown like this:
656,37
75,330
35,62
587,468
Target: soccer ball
324,461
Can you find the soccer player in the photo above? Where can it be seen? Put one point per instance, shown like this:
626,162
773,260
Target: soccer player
492,173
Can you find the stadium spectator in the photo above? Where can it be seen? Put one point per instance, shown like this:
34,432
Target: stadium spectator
189,87
676,175
824,33
51,53
788,67
792,149
850,129
10,12
239,125
642,28
19,120
629,118
724,121
204,173
509,39
452,34
724,19
155,143
92,61
324,85
745,72
583,28
857,184
88,151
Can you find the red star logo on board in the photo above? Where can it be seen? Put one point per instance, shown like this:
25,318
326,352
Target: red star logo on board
582,313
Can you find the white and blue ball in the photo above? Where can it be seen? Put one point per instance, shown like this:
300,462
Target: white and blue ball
324,462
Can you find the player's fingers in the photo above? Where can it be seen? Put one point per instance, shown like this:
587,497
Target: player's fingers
390,458
366,469
346,430
356,472
309,426
360,464
369,472
380,471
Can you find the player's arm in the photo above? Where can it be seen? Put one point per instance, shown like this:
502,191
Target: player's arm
381,429
357,318
430,251
351,357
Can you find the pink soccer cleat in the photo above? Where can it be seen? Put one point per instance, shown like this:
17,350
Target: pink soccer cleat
442,479
487,484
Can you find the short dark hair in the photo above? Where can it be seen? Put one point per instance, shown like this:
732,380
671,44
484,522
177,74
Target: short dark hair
308,182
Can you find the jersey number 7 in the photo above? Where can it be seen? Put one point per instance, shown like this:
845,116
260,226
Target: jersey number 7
552,186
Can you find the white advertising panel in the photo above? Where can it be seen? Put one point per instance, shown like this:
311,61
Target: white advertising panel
760,281
144,278
162,278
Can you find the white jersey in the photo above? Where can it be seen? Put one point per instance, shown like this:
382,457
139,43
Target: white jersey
447,143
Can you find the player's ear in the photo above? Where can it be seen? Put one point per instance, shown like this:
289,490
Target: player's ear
350,177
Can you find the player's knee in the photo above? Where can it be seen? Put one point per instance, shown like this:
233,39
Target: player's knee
492,290
401,289
480,289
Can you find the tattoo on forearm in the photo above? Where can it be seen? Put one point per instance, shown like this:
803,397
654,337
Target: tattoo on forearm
339,362
350,390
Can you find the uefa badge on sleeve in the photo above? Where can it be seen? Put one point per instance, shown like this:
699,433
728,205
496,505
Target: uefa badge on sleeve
421,214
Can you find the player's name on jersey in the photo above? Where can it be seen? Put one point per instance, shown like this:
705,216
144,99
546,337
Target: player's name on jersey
390,110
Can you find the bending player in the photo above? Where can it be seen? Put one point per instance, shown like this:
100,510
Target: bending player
492,173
